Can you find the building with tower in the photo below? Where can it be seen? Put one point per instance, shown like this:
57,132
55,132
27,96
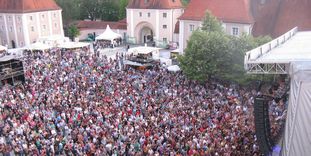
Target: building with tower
22,22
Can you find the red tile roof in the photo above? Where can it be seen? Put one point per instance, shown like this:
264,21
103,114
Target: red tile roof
236,11
101,25
293,13
154,4
25,6
276,17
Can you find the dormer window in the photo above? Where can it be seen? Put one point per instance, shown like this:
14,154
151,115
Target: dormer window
146,1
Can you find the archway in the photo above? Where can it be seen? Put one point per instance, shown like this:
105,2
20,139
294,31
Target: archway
144,33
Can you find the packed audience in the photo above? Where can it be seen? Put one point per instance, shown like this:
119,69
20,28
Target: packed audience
83,105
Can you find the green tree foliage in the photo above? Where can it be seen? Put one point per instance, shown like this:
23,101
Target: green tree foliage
211,24
210,52
185,2
73,32
122,9
70,10
91,9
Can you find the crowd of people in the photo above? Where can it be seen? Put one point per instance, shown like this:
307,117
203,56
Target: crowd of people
84,105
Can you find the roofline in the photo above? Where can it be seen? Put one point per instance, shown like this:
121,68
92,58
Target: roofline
28,11
155,8
223,20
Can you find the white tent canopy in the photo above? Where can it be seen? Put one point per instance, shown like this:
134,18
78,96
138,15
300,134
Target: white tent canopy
73,45
38,46
2,48
53,40
174,68
108,35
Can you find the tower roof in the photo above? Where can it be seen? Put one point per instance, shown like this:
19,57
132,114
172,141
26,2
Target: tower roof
154,4
236,11
26,6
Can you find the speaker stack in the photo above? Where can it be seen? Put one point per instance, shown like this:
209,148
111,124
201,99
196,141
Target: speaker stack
262,125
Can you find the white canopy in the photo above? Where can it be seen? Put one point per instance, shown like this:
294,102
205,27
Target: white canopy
2,48
38,46
53,40
108,35
173,68
73,45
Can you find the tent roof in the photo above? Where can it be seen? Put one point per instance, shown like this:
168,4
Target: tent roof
73,45
108,35
37,46
142,50
173,68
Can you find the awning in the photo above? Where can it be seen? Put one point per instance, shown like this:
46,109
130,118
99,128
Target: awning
73,45
38,46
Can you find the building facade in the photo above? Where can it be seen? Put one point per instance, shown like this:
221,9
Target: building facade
22,22
234,15
152,20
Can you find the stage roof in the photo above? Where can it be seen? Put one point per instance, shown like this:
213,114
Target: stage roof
275,57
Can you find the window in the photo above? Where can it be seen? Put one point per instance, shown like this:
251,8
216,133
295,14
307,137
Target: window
10,18
2,27
30,17
21,43
32,29
11,28
42,15
44,27
0,17
54,15
148,14
146,1
164,15
20,29
55,25
19,18
165,40
164,26
191,26
140,14
235,31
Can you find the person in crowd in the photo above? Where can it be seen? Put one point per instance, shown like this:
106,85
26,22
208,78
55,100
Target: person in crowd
84,105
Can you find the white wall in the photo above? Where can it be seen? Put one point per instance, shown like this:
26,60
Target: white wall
24,29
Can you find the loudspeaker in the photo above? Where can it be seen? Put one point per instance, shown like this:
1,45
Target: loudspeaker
262,125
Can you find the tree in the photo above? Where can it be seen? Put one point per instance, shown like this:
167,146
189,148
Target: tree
122,9
73,32
207,54
71,10
210,23
238,47
185,2
211,52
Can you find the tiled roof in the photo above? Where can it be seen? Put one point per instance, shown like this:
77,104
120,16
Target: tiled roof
276,17
154,4
101,25
25,6
236,11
